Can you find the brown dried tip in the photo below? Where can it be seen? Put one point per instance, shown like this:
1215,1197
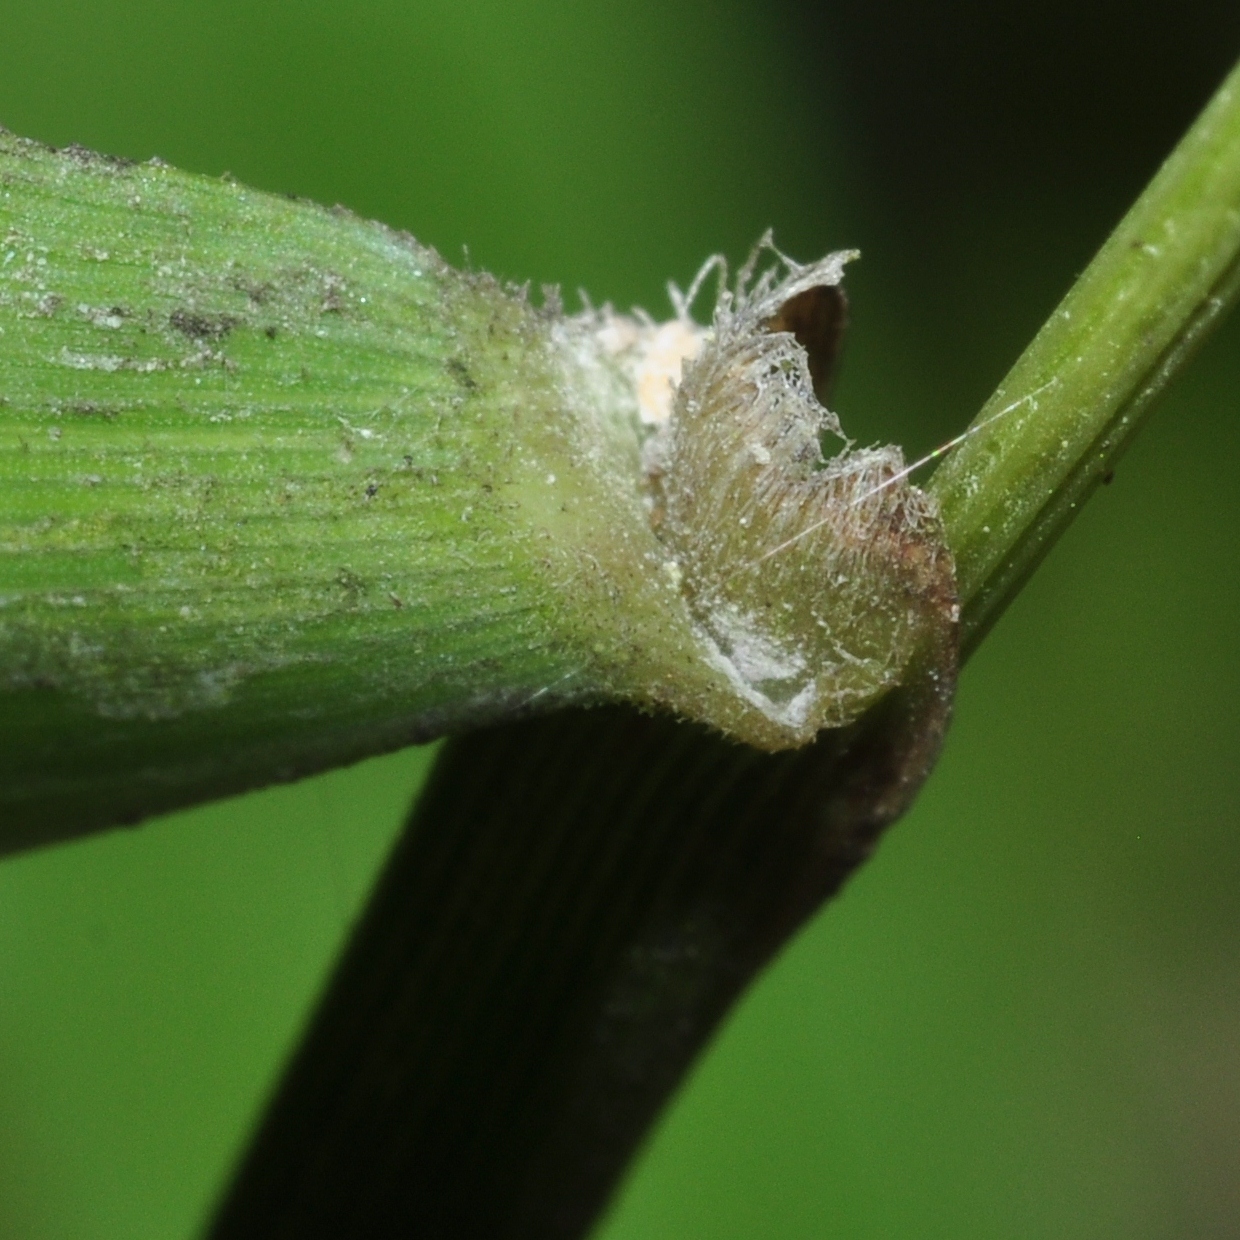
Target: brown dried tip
817,319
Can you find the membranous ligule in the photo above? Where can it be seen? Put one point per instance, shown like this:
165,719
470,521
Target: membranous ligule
813,582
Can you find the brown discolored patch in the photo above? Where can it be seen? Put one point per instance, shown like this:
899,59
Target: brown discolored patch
202,326
817,318
258,292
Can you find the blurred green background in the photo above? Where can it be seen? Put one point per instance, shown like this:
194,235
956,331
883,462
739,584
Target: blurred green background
1023,1018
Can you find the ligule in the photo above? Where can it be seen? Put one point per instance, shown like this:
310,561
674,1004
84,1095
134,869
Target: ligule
813,582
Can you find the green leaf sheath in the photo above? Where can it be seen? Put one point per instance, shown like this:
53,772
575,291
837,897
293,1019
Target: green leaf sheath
1077,395
257,491
279,489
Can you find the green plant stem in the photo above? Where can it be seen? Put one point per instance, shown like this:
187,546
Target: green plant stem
573,906
1079,392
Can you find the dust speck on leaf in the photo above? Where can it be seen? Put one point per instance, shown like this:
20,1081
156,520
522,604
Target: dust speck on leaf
94,159
89,409
352,586
461,373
